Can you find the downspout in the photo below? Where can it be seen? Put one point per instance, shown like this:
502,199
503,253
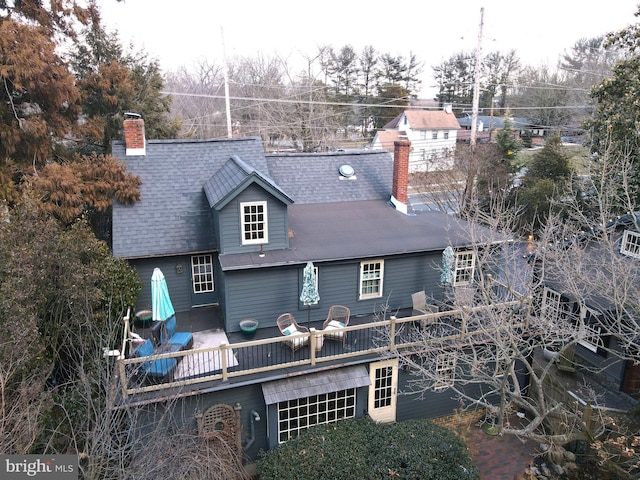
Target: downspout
253,417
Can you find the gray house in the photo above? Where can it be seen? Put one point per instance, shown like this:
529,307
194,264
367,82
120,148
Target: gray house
232,227
608,328
229,225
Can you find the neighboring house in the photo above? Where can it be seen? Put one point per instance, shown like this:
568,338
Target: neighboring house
598,349
487,124
432,134
231,226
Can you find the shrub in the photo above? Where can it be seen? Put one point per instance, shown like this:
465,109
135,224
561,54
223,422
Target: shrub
363,449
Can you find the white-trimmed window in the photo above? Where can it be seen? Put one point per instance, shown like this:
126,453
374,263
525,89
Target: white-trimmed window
434,135
202,273
630,244
445,371
371,276
254,223
464,268
591,331
423,134
295,416
446,135
551,306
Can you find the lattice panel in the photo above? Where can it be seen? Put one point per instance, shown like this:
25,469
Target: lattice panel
221,422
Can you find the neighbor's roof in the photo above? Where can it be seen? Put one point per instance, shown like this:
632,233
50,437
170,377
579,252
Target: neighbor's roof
426,120
351,230
496,122
387,138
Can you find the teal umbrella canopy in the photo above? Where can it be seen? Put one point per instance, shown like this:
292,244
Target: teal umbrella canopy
161,307
309,294
448,261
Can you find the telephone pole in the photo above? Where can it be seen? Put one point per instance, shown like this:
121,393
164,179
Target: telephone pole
476,84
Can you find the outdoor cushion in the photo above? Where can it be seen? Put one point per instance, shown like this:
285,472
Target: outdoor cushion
291,329
154,368
177,340
335,324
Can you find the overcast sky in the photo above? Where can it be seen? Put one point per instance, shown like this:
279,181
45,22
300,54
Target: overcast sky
181,33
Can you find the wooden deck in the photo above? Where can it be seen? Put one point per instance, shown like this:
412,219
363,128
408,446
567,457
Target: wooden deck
267,356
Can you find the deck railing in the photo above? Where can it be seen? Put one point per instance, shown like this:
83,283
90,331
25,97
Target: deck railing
243,359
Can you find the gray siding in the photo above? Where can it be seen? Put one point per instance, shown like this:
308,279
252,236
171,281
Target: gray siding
434,404
229,218
266,293
609,366
179,284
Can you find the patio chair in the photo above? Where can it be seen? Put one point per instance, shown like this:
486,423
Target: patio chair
421,307
338,317
290,328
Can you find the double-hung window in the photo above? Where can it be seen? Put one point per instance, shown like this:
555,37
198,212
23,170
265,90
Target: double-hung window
202,273
371,276
551,306
590,335
464,268
630,244
445,370
254,223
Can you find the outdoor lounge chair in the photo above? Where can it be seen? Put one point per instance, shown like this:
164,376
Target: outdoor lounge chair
155,370
290,328
338,317
165,335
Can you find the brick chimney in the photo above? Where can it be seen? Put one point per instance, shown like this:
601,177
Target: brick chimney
399,192
134,135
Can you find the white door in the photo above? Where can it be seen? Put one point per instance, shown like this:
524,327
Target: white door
383,390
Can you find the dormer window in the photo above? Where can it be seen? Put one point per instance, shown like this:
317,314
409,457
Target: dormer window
254,223
630,244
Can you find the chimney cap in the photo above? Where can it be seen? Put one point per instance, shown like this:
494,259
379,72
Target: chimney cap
132,115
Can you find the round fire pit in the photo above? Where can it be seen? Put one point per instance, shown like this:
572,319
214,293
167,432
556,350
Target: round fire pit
249,327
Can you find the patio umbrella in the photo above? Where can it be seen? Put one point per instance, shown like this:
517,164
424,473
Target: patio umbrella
446,277
448,259
161,306
309,295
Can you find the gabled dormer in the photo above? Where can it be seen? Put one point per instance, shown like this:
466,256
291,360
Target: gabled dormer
249,209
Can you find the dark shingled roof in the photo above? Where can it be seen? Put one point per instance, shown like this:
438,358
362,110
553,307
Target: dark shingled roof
351,230
233,177
332,217
173,215
315,178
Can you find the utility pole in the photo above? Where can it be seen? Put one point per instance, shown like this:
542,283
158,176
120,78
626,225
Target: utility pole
226,86
471,174
476,85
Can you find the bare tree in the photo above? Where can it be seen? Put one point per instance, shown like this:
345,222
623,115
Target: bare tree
569,288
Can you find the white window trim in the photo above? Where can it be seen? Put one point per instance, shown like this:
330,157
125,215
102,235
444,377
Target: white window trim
445,371
550,307
590,334
630,238
319,409
208,261
265,229
361,279
464,268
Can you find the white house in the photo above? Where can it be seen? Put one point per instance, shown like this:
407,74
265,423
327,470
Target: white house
432,134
